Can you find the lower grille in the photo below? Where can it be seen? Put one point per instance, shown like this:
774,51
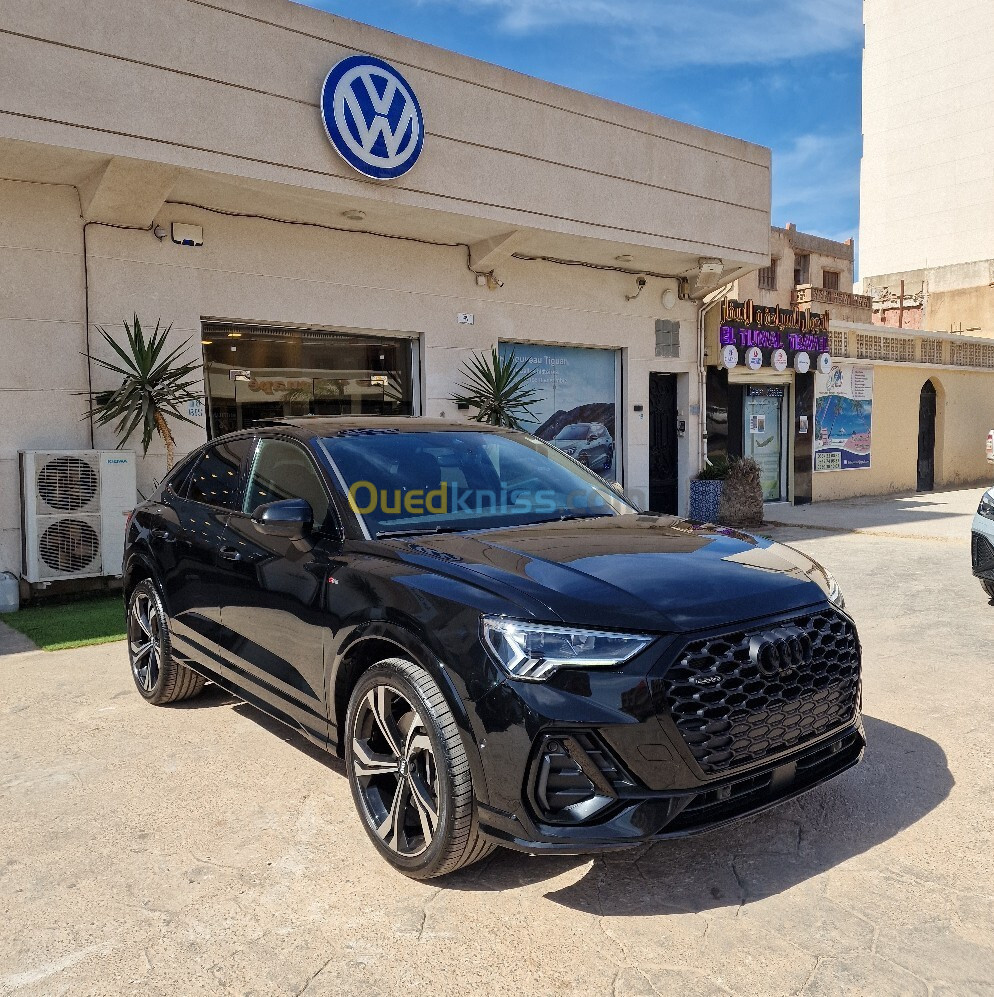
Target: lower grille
739,797
983,554
742,696
575,778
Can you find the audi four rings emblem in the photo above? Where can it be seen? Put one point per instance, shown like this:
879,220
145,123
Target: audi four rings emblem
372,117
780,652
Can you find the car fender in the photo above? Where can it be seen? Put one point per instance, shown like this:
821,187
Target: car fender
409,645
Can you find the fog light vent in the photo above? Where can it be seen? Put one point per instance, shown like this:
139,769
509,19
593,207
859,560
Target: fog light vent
575,778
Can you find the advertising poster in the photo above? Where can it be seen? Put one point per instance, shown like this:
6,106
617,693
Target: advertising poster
843,415
577,391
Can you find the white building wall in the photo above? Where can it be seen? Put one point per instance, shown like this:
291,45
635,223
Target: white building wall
260,271
927,186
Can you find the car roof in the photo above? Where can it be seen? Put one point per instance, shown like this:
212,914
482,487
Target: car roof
312,426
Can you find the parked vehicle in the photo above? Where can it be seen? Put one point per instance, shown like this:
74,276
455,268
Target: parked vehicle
990,446
982,543
501,647
588,442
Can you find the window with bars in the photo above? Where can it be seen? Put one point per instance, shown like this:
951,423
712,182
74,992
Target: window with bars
830,280
768,276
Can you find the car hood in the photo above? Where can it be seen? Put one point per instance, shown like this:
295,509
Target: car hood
651,573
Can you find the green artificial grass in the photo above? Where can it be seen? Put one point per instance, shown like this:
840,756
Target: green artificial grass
71,624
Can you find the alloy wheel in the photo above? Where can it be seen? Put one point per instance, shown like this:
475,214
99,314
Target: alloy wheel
144,640
395,769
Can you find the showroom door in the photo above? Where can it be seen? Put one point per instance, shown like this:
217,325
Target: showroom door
663,460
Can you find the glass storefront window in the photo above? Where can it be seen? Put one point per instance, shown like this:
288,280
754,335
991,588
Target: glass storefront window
577,398
257,373
763,425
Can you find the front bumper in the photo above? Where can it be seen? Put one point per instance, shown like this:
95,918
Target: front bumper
982,547
661,815
592,761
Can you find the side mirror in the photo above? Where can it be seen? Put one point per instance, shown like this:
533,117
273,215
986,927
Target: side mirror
289,518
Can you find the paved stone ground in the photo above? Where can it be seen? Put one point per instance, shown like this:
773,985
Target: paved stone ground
199,850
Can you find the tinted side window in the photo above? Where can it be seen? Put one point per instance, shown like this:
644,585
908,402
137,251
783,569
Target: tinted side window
177,479
283,470
216,477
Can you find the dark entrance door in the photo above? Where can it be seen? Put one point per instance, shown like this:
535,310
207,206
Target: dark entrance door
926,438
663,463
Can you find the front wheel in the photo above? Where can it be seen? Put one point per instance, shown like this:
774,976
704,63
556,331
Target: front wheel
410,777
159,677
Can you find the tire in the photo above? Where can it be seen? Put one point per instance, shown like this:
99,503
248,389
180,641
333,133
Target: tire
158,676
410,777
988,587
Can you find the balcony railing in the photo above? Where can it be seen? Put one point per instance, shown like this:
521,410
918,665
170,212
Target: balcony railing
808,294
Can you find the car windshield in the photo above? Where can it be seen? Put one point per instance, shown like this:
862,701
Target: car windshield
434,482
577,432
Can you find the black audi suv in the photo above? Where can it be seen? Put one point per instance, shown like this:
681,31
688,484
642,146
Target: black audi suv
502,647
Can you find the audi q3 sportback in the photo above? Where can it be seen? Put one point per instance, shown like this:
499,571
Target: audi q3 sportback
503,649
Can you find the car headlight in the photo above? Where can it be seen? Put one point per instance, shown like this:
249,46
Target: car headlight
831,588
986,507
533,651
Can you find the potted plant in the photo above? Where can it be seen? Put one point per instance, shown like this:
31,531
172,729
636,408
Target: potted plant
153,386
706,489
498,389
742,496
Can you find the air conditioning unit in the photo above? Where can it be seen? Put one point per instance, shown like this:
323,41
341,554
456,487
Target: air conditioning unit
74,504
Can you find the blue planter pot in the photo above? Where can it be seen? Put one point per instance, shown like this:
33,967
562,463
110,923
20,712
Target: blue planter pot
705,498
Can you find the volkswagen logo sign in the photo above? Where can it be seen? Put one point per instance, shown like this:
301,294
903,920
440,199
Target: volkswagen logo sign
372,117
781,652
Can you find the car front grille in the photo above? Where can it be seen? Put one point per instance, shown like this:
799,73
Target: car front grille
732,708
983,554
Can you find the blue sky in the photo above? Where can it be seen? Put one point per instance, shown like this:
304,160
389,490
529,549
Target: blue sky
783,73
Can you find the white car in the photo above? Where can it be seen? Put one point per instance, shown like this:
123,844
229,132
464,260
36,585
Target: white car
982,545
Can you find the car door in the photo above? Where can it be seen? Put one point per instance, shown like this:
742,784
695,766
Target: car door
186,537
273,593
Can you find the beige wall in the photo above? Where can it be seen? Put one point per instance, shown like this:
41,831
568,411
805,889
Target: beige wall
235,92
928,121
135,107
261,271
41,332
783,251
964,414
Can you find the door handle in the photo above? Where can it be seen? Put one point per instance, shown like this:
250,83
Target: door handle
229,554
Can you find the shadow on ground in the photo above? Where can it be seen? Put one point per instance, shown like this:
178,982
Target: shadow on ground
903,777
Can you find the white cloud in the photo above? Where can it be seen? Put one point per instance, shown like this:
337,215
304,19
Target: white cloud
815,180
670,33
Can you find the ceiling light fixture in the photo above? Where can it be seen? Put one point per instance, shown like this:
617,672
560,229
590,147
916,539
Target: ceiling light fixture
354,215
624,258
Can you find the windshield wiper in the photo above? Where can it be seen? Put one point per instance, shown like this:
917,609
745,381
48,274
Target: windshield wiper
386,534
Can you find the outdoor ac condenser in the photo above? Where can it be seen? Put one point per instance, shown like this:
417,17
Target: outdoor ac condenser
73,509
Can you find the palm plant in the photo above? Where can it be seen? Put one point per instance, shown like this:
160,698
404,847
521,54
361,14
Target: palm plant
154,384
497,389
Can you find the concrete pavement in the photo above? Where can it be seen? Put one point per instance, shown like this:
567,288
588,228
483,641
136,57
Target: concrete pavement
205,850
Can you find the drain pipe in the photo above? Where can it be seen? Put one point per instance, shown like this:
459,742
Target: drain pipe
710,300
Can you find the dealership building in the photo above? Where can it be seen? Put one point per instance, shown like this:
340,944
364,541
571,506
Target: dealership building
336,218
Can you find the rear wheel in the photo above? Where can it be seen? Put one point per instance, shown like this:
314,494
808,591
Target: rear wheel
159,677
988,588
409,773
